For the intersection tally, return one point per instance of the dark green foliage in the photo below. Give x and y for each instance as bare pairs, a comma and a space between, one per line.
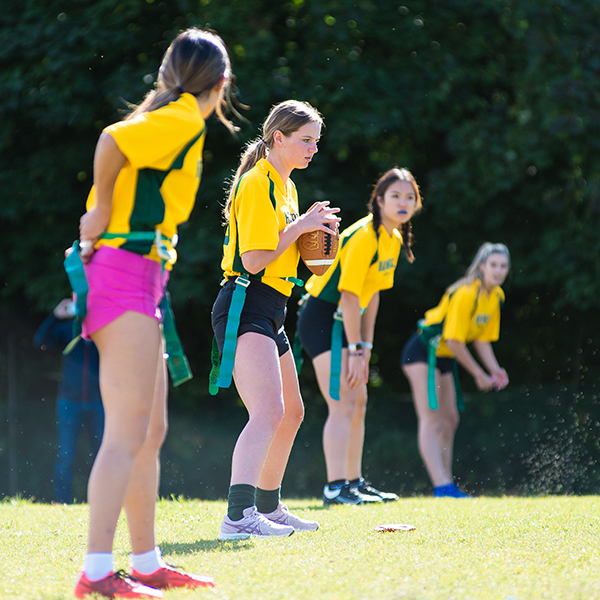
494, 106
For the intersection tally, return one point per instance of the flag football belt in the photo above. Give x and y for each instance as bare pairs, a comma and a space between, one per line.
335, 365
335, 368
221, 371
431, 336
177, 361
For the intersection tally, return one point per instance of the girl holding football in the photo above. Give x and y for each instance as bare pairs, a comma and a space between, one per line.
336, 325
260, 262
146, 175
468, 312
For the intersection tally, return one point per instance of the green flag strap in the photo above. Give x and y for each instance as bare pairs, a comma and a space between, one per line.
177, 361
76, 274
221, 371
145, 236
294, 280
215, 361
238, 299
432, 347
335, 369
460, 400
431, 336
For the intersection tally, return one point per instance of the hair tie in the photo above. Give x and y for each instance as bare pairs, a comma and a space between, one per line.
179, 89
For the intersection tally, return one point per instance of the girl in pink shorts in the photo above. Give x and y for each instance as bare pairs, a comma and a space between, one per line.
121, 281
146, 175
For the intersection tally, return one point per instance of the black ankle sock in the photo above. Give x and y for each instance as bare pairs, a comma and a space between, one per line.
267, 500
337, 483
357, 481
241, 496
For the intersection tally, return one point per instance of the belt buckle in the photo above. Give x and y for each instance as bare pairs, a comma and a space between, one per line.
242, 280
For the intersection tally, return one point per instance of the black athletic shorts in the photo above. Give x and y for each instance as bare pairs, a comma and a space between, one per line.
264, 312
314, 326
415, 351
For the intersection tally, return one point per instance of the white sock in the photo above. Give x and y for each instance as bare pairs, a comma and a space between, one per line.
148, 562
98, 565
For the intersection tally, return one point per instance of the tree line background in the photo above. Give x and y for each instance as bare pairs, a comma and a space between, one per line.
494, 105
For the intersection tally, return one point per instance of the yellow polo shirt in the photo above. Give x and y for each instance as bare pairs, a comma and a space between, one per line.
157, 186
261, 208
364, 265
468, 314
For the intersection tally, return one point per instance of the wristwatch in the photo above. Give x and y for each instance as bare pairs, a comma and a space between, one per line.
356, 347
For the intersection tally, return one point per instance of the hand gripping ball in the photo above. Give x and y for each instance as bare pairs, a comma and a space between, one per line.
318, 250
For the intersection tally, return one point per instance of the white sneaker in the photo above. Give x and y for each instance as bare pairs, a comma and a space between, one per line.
252, 523
284, 517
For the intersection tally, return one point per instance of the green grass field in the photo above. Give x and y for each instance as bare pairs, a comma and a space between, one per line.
492, 549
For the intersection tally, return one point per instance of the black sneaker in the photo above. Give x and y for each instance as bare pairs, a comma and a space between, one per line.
340, 495
363, 488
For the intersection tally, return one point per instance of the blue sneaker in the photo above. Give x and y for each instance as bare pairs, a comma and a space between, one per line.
449, 491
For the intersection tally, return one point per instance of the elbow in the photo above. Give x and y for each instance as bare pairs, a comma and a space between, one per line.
251, 266
454, 345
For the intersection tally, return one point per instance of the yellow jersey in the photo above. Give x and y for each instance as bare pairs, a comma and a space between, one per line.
365, 264
262, 206
468, 314
156, 189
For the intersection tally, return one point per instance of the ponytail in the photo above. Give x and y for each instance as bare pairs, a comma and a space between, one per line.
253, 152
407, 240
195, 63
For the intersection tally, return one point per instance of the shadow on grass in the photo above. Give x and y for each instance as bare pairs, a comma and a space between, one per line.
212, 545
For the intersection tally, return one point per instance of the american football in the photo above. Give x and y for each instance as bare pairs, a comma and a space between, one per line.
318, 250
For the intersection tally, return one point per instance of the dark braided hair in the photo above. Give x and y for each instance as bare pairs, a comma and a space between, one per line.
381, 187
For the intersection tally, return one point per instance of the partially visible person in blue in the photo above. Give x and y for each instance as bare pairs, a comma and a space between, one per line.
78, 401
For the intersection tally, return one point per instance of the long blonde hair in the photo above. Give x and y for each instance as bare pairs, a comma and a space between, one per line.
287, 117
474, 272
195, 62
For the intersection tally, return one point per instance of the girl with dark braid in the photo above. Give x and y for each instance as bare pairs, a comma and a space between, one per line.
336, 325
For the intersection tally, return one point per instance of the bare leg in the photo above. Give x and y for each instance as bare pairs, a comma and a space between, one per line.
128, 348
279, 452
448, 418
140, 501
257, 375
357, 435
429, 423
338, 427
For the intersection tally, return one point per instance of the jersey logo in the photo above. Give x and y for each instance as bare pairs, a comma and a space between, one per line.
289, 216
386, 265
481, 320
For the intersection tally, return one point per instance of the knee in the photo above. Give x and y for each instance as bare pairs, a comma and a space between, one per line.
450, 422
157, 433
344, 408
270, 417
129, 441
430, 424
360, 407
294, 415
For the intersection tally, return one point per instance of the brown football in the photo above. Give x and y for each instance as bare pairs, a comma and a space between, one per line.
318, 250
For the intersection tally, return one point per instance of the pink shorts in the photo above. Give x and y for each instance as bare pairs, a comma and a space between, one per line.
121, 281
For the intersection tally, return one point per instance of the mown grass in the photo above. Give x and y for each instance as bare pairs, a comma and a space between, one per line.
483, 548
